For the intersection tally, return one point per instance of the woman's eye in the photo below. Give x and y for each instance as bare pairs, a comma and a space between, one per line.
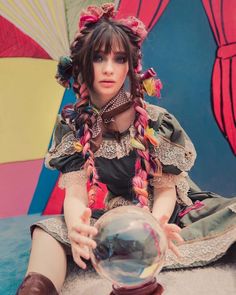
121, 59
98, 58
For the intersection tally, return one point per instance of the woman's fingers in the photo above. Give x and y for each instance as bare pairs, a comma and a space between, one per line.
172, 233
77, 258
176, 237
174, 249
82, 240
172, 227
86, 241
84, 252
86, 229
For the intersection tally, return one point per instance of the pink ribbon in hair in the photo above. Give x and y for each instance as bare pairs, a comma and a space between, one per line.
148, 74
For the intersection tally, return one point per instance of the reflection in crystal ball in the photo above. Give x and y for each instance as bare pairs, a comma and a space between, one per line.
131, 246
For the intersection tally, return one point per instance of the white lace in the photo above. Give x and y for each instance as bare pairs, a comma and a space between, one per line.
64, 148
202, 250
172, 154
111, 149
168, 180
75, 177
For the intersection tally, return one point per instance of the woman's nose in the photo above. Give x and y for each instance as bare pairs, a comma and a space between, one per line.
108, 67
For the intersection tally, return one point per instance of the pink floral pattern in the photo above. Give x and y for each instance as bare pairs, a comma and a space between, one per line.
94, 13
136, 25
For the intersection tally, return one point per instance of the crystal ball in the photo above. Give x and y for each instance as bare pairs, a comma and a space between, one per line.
131, 246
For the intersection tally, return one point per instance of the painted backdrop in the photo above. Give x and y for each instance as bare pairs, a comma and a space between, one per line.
191, 44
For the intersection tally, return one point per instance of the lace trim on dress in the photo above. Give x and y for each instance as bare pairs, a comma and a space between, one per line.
111, 149
75, 177
202, 251
172, 154
64, 148
197, 252
57, 228
167, 180
117, 202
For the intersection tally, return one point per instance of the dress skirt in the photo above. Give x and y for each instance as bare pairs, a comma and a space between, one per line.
209, 230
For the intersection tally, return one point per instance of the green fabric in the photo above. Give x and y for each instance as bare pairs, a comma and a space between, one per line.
175, 151
212, 219
171, 129
208, 231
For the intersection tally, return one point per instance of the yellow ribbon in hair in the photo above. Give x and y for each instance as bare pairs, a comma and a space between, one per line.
149, 86
78, 146
150, 134
137, 144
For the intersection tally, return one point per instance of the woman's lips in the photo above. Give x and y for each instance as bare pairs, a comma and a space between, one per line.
107, 83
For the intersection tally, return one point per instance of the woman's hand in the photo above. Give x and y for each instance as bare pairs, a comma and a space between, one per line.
172, 234
80, 238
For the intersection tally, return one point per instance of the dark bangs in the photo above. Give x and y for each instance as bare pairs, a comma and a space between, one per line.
106, 36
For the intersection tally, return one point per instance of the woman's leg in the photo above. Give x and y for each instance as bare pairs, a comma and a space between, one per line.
47, 258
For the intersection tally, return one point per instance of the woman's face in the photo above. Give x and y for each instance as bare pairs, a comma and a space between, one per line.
110, 71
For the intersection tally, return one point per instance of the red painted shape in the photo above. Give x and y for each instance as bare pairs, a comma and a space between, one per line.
14, 43
221, 15
127, 8
149, 12
55, 202
216, 92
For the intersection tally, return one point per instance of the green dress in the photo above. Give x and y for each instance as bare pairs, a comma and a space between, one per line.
208, 220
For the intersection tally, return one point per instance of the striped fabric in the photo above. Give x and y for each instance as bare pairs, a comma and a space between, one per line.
44, 21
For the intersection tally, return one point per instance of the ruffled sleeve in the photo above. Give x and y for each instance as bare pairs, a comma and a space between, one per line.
63, 156
175, 151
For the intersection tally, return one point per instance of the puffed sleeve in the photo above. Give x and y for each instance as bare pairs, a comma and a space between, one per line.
63, 156
175, 151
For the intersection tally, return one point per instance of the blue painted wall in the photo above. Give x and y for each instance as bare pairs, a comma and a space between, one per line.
181, 48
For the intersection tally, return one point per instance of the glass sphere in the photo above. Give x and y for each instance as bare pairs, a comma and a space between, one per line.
131, 246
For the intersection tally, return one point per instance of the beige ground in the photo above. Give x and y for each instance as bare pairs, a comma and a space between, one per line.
217, 279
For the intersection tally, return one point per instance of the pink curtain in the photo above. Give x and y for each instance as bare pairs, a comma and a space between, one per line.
148, 11
222, 19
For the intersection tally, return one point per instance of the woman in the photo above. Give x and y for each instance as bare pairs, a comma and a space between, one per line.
111, 135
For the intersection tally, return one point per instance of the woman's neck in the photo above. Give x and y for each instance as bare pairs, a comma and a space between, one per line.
99, 101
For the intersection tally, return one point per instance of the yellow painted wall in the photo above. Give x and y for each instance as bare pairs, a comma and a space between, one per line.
29, 102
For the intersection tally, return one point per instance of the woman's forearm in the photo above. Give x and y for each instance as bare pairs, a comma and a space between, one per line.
164, 202
75, 202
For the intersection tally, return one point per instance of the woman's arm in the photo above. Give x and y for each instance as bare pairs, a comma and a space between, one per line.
75, 203
77, 218
163, 207
164, 202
